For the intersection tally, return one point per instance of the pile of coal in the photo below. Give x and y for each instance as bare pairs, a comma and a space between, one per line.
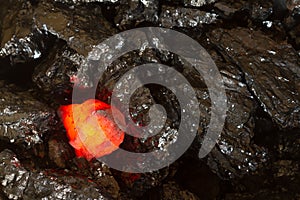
254, 44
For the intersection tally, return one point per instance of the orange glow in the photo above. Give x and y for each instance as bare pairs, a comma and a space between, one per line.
90, 128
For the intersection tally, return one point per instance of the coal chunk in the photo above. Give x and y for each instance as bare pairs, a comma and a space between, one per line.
271, 70
197, 3
19, 183
16, 20
185, 17
60, 153
80, 26
22, 44
278, 181
55, 76
132, 13
99, 173
23, 119
235, 154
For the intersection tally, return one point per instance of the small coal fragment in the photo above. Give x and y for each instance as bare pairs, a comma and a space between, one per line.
59, 150
131, 13
21, 50
292, 22
197, 3
19, 183
243, 12
19, 56
16, 20
271, 70
81, 26
261, 11
119, 67
55, 76
99, 173
13, 176
23, 119
185, 17
295, 10
228, 9
103, 177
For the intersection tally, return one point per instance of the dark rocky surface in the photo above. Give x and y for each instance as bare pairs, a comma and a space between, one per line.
255, 45
132, 13
271, 70
185, 17
17, 182
24, 120
236, 153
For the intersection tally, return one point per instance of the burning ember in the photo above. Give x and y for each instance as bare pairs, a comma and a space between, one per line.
90, 128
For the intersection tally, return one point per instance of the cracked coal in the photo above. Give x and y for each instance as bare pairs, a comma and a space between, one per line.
256, 47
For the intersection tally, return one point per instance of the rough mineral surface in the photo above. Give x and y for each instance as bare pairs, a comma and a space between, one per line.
76, 26
197, 3
271, 71
23, 119
56, 78
131, 12
235, 153
19, 183
185, 17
